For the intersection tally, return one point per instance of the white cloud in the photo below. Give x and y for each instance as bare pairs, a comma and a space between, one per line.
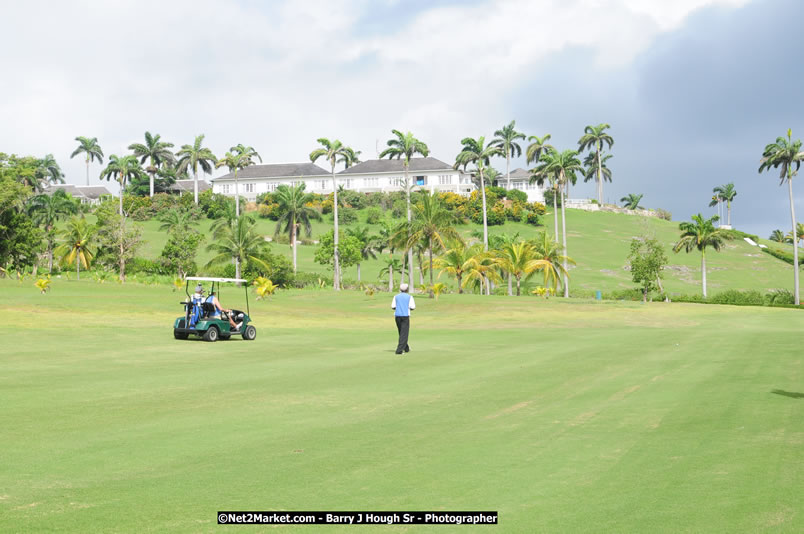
278, 76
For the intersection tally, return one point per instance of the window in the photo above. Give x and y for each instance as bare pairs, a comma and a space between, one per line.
272, 186
371, 182
421, 180
322, 184
248, 188
444, 179
226, 189
348, 184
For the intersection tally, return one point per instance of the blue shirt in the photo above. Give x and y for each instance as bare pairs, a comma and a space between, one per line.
215, 312
402, 304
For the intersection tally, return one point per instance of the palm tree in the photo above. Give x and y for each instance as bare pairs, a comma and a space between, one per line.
368, 244
193, 156
519, 259
90, 147
78, 244
334, 152
294, 212
549, 251
46, 211
238, 157
497, 242
562, 166
49, 170
785, 154
700, 235
482, 270
592, 170
726, 193
716, 201
155, 150
239, 241
799, 235
432, 224
631, 201
505, 139
455, 261
176, 221
537, 146
477, 152
404, 147
595, 137
391, 264
778, 236
122, 169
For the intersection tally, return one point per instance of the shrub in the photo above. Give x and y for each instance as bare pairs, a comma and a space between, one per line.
780, 297
548, 198
499, 192
347, 215
738, 298
625, 294
737, 234
530, 218
146, 266
399, 210
138, 208
538, 208
664, 214
373, 215
327, 205
783, 255
215, 205
303, 279
517, 195
269, 211
353, 199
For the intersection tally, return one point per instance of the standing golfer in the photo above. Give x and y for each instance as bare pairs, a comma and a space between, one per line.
402, 305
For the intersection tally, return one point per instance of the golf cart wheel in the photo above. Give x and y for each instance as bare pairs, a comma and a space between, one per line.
249, 333
180, 335
211, 334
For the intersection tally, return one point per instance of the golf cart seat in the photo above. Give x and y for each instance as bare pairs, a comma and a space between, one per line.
207, 309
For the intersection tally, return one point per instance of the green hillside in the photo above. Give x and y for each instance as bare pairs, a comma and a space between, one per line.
597, 241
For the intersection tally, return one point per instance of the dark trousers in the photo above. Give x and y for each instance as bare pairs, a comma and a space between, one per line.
403, 326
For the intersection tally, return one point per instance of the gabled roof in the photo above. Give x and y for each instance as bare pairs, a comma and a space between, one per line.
275, 170
519, 174
187, 185
374, 166
67, 188
80, 191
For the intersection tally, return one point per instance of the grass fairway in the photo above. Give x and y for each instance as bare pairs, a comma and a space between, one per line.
563, 416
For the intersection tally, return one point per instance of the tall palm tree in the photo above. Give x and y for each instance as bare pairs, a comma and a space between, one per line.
778, 236
505, 139
785, 154
432, 224
537, 145
46, 211
631, 201
726, 193
368, 244
155, 150
520, 259
49, 170
717, 200
476, 151
194, 156
593, 171
334, 152
700, 234
240, 241
549, 251
595, 137
78, 244
562, 166
291, 205
404, 147
238, 157
90, 147
122, 169
455, 261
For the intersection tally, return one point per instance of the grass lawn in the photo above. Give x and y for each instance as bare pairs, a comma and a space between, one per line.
598, 241
564, 416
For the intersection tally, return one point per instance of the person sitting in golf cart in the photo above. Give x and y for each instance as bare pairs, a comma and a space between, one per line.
218, 309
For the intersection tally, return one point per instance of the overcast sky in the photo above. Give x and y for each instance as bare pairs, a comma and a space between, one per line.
693, 89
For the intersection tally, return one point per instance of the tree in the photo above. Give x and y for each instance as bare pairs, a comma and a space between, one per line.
243, 157
778, 236
798, 236
368, 244
595, 137
785, 154
46, 211
158, 152
482, 271
391, 264
49, 171
79, 244
497, 242
700, 234
239, 241
293, 213
631, 201
119, 241
349, 250
537, 145
404, 147
456, 261
121, 169
726, 193
505, 139
334, 152
432, 225
477, 152
647, 260
562, 166
553, 265
193, 156
593, 171
183, 241
520, 259
90, 147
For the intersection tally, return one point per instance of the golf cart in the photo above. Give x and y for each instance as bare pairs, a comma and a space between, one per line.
200, 316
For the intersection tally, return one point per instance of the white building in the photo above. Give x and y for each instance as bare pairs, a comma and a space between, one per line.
520, 179
87, 194
372, 176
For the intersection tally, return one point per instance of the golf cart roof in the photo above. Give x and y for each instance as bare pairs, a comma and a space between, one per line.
207, 279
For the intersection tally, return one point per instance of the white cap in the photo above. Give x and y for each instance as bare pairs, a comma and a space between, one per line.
403, 287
